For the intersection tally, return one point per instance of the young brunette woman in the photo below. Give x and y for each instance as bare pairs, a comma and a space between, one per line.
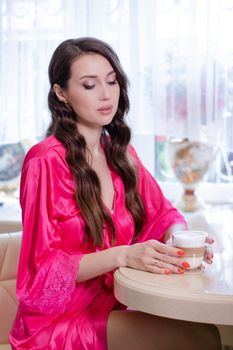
89, 206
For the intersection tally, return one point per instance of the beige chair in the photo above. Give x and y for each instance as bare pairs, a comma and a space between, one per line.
9, 256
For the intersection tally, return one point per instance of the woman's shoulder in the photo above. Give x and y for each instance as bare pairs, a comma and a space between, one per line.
48, 147
133, 156
131, 150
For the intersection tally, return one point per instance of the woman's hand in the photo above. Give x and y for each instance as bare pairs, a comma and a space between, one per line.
208, 251
208, 257
153, 256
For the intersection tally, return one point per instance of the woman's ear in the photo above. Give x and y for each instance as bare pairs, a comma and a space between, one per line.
59, 93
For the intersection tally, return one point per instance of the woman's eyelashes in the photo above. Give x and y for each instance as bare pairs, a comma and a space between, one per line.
112, 82
88, 86
91, 86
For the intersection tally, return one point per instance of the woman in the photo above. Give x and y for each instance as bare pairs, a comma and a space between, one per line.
89, 206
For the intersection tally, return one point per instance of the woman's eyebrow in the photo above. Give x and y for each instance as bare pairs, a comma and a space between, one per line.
88, 76
94, 76
112, 72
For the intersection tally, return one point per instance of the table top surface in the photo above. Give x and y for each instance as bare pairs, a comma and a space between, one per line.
202, 296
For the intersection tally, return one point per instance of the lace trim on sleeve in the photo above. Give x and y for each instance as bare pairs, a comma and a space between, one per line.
53, 284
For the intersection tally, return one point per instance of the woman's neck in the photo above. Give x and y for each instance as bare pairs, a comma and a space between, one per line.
92, 138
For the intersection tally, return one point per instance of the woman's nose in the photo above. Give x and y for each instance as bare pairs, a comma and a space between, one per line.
104, 93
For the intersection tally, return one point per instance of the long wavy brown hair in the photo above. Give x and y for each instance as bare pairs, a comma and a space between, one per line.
115, 139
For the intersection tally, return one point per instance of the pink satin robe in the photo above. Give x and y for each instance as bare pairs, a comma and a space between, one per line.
56, 312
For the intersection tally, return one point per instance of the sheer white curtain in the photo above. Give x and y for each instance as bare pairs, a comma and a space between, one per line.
185, 51
30, 30
177, 54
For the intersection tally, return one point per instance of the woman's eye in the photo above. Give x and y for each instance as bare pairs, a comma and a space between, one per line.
88, 87
113, 82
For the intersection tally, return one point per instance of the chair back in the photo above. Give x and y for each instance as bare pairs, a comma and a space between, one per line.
10, 244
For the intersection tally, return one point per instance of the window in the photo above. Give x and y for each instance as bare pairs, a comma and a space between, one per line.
178, 55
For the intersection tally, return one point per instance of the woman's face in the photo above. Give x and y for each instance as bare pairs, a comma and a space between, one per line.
93, 91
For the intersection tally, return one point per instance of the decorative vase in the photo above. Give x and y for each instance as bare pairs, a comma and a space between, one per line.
190, 161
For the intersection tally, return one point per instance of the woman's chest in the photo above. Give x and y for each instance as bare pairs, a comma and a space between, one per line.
70, 222
72, 228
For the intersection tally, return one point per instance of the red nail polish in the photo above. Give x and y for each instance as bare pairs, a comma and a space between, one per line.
167, 272
181, 253
181, 270
185, 264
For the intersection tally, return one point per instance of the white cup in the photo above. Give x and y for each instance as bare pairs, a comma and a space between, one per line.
193, 244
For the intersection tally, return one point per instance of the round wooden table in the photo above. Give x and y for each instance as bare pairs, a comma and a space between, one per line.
205, 296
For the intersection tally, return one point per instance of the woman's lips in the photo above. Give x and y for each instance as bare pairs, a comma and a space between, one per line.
105, 110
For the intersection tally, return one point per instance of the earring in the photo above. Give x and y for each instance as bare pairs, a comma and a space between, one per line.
65, 102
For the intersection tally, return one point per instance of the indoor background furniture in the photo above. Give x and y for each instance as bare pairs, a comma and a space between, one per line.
10, 215
9, 255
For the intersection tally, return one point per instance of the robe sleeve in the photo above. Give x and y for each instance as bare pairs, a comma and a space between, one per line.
160, 213
46, 273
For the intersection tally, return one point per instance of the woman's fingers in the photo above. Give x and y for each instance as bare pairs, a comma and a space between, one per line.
165, 249
164, 259
156, 257
158, 266
208, 257
209, 240
169, 255
161, 262
176, 262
